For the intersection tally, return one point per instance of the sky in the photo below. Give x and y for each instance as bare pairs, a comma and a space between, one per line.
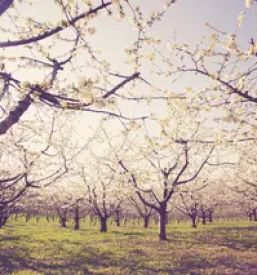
186, 19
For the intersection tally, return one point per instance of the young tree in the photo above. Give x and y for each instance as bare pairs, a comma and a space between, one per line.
189, 206
27, 163
144, 211
246, 173
79, 211
105, 189
168, 161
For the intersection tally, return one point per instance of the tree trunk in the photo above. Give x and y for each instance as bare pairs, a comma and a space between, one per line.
162, 223
1, 222
250, 216
146, 221
76, 226
117, 217
204, 219
5, 219
210, 216
193, 221
104, 224
254, 214
27, 217
63, 221
76, 218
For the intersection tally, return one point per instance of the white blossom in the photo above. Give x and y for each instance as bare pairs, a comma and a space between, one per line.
248, 3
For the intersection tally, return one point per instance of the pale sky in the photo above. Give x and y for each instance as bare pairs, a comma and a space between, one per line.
186, 19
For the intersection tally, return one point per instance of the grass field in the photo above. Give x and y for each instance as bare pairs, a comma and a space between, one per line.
46, 249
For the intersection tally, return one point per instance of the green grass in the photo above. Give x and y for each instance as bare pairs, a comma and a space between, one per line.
46, 249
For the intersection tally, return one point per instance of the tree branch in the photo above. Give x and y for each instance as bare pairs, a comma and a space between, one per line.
47, 34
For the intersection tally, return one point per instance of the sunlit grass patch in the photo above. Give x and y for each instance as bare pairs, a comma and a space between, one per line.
218, 248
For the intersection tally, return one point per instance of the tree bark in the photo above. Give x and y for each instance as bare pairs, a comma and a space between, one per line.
193, 221
210, 216
63, 221
4, 5
103, 224
77, 225
250, 216
146, 221
204, 219
27, 217
3, 220
254, 214
15, 114
117, 218
162, 222
76, 218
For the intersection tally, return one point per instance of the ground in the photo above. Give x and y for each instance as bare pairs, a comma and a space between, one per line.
46, 249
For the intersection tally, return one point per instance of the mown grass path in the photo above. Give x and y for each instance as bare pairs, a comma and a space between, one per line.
46, 249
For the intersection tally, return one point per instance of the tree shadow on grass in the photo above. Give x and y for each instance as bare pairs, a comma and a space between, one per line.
87, 258
8, 239
227, 237
83, 261
131, 233
12, 260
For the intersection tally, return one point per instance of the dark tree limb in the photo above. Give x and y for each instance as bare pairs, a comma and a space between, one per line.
15, 114
49, 33
4, 5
